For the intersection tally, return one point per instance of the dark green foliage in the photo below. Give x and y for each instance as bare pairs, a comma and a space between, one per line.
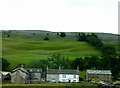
5, 65
78, 62
109, 54
8, 35
46, 38
62, 34
94, 35
94, 41
33, 33
93, 62
57, 33
39, 64
47, 34
108, 50
82, 37
56, 61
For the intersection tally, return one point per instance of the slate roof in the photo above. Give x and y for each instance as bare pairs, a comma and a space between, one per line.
21, 69
4, 73
99, 72
62, 71
34, 70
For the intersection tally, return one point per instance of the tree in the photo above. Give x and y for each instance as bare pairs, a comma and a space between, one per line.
57, 33
55, 60
94, 35
108, 50
46, 38
94, 41
78, 62
109, 55
8, 35
39, 64
47, 34
92, 62
5, 64
82, 37
62, 34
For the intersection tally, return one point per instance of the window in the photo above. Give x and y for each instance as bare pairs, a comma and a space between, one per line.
53, 76
64, 76
74, 76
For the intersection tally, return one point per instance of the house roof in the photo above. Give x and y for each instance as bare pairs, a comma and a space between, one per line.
99, 72
4, 73
34, 70
21, 69
62, 71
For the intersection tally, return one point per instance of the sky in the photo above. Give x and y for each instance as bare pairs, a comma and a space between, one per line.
60, 15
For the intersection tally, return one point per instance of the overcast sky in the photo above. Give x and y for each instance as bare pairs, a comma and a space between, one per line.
60, 15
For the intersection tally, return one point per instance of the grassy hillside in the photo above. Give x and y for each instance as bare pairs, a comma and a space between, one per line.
24, 47
19, 49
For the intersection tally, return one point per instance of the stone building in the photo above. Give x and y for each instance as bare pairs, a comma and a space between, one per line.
34, 75
20, 76
103, 75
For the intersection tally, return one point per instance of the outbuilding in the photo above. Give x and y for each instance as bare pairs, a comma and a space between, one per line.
103, 75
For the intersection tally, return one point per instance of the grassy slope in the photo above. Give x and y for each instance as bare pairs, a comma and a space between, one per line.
22, 50
24, 47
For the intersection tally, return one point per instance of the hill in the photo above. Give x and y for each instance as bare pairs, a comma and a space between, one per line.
26, 46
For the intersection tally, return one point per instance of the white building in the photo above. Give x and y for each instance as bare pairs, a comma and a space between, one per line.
62, 75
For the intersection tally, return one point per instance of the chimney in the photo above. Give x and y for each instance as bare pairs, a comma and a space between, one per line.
22, 65
78, 67
47, 68
59, 67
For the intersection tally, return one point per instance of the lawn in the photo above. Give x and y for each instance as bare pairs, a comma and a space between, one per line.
50, 85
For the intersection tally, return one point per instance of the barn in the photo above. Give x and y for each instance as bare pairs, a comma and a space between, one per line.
102, 75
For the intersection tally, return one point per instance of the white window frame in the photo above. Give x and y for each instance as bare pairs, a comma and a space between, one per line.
63, 76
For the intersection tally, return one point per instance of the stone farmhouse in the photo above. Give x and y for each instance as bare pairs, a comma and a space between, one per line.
22, 75
103, 75
34, 75
28, 75
62, 75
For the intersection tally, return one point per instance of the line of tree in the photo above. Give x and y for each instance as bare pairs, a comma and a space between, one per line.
110, 58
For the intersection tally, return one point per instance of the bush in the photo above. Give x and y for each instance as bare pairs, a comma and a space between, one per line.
46, 38
62, 34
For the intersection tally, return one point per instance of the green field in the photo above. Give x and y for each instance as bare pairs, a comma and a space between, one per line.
22, 47
23, 50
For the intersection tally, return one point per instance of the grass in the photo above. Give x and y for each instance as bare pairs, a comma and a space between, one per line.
22, 47
51, 85
23, 50
83, 74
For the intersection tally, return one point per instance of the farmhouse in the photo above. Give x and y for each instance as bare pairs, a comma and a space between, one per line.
103, 75
34, 75
29, 75
20, 76
62, 75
